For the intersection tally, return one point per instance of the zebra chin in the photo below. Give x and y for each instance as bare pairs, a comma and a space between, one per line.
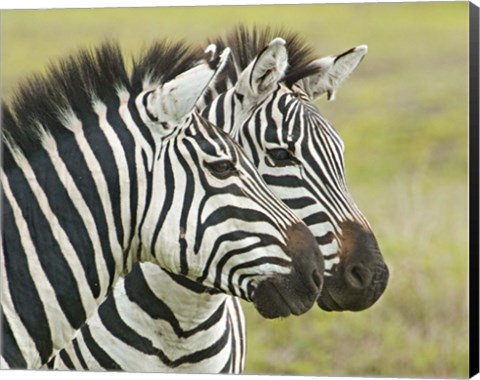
296, 292
280, 297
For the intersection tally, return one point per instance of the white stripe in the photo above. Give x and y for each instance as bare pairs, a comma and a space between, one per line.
141, 146
85, 352
50, 146
122, 165
102, 188
59, 234
60, 328
3, 363
339, 209
27, 346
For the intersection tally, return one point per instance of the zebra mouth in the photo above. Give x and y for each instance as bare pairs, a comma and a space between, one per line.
273, 298
327, 303
295, 292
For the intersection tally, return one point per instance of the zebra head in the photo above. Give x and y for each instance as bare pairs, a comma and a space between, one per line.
210, 217
270, 111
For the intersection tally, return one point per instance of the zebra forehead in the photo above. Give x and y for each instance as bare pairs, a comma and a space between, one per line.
292, 117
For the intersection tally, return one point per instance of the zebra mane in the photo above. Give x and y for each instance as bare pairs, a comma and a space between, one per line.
245, 43
71, 84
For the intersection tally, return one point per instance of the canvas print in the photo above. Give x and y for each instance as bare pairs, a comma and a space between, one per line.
257, 189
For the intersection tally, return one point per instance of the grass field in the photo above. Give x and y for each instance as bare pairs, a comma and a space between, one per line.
403, 118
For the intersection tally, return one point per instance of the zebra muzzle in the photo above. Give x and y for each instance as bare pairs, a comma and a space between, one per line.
362, 275
296, 292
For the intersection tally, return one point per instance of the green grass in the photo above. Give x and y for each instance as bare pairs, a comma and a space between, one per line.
419, 326
403, 118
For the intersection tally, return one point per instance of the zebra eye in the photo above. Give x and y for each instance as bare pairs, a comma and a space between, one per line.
280, 156
221, 169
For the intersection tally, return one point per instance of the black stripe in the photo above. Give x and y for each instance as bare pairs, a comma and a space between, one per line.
224, 213
299, 105
229, 365
148, 199
79, 355
128, 143
22, 289
68, 217
329, 151
9, 346
50, 255
272, 126
232, 116
257, 129
250, 78
241, 335
145, 104
318, 217
212, 320
249, 142
103, 359
169, 182
114, 323
250, 264
239, 97
207, 96
232, 237
189, 284
227, 368
76, 165
325, 239
321, 182
103, 152
141, 127
328, 198
66, 359
299, 203
139, 292
206, 353
188, 195
156, 310
219, 269
290, 181
219, 111
221, 139
51, 363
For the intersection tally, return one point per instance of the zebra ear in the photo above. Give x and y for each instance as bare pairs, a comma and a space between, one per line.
330, 72
171, 102
262, 74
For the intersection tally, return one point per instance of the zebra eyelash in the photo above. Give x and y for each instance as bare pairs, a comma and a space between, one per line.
279, 157
221, 169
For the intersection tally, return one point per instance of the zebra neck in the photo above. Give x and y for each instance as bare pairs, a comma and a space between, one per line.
175, 313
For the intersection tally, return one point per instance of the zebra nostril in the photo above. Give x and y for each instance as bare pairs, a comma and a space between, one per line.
358, 276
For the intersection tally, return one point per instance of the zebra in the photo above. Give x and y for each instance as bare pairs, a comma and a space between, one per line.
299, 153
102, 171
357, 276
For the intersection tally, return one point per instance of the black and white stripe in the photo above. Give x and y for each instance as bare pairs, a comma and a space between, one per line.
95, 180
300, 156
299, 153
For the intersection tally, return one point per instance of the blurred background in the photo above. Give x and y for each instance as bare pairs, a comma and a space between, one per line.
403, 118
